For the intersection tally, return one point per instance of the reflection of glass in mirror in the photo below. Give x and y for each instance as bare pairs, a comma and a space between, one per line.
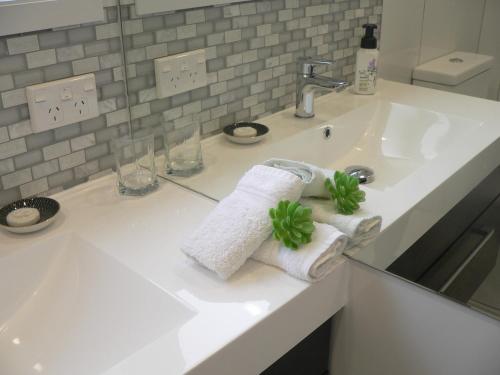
183, 155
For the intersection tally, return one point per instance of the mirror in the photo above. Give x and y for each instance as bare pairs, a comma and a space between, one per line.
251, 49
20, 16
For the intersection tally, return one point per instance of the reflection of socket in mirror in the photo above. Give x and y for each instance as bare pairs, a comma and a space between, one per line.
180, 73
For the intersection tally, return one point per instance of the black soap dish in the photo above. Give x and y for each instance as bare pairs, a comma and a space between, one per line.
259, 134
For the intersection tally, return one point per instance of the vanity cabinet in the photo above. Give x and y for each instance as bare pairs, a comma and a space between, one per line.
456, 255
309, 357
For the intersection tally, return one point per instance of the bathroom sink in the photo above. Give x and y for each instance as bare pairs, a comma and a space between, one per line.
391, 138
69, 308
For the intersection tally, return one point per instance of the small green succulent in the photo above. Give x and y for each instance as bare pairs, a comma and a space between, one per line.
292, 224
345, 192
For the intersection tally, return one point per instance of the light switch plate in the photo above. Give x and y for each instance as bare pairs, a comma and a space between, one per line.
63, 102
180, 73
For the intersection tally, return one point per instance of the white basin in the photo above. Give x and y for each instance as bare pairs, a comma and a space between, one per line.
393, 139
69, 308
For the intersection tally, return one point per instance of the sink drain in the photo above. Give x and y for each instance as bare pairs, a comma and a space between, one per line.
364, 174
327, 131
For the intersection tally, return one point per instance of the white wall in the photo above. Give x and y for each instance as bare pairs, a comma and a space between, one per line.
400, 39
450, 25
392, 327
416, 31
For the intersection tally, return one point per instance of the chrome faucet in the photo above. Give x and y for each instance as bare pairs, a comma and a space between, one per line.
308, 82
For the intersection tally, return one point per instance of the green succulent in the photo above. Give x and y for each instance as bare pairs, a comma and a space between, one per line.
345, 192
292, 224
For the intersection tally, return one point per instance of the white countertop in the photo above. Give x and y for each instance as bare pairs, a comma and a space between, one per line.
238, 326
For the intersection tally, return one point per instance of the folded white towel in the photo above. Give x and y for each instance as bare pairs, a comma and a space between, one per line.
314, 177
240, 223
312, 261
361, 227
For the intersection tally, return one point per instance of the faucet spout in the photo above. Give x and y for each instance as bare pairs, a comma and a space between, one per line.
308, 82
327, 83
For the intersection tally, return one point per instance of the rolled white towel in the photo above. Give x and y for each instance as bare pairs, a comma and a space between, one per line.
313, 176
312, 261
240, 223
361, 227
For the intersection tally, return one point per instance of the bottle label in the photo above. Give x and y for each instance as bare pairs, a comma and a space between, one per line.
368, 76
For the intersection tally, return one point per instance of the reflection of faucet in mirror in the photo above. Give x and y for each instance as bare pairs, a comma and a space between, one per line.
308, 81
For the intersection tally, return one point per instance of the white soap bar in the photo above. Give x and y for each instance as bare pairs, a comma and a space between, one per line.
23, 217
245, 131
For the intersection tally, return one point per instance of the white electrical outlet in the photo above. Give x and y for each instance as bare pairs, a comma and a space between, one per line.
63, 102
180, 73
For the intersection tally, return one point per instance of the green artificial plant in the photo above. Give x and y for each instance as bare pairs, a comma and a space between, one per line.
345, 192
292, 224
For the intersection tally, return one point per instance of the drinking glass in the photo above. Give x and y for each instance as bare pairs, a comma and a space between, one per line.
183, 150
135, 164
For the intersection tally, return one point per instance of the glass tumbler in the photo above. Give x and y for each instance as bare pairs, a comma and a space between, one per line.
183, 150
135, 164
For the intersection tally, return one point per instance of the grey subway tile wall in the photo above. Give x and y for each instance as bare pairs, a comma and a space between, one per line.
251, 50
39, 164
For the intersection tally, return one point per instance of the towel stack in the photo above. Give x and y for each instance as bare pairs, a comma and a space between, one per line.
312, 261
313, 177
240, 223
240, 226
362, 227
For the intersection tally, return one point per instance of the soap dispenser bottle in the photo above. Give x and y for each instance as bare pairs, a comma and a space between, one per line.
366, 62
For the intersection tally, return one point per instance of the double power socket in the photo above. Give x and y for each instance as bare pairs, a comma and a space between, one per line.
180, 73
63, 102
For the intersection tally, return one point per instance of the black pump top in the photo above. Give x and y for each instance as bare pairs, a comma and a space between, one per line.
369, 41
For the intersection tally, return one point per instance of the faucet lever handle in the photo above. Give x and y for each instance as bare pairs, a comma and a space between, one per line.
307, 64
